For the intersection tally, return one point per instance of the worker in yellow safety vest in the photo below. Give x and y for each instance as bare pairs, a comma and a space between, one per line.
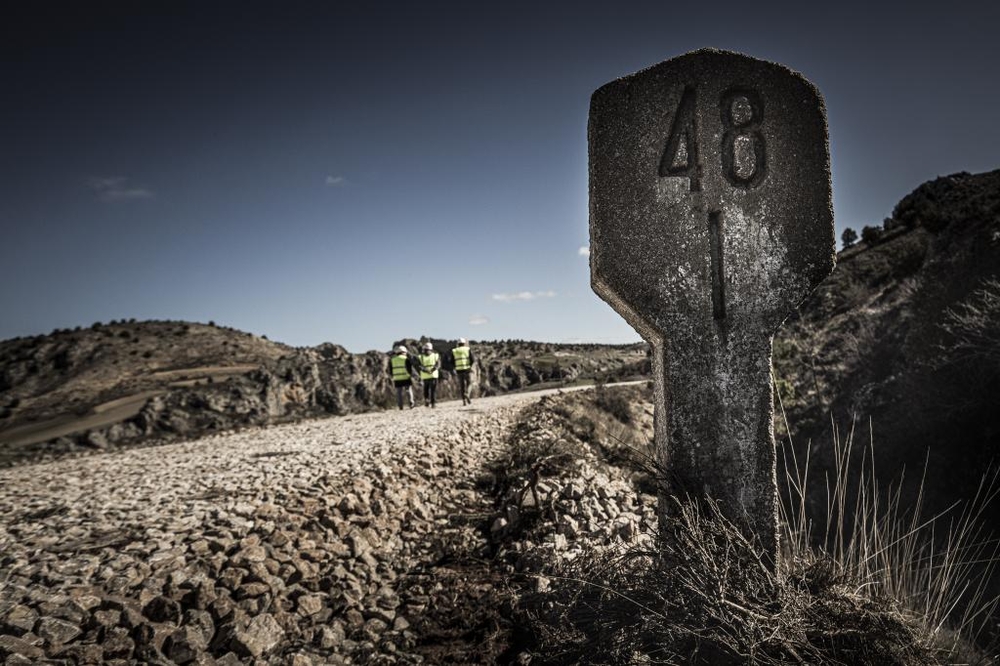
430, 364
401, 370
463, 368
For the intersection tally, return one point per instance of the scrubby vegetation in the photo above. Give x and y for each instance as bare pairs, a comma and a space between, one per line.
958, 199
974, 327
863, 580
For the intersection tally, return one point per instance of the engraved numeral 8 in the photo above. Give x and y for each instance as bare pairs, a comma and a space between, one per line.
744, 153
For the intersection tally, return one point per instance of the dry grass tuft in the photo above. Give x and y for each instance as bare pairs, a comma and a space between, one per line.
707, 598
868, 581
936, 570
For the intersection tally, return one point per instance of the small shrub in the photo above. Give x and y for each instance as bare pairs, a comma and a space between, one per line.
614, 403
854, 294
871, 235
849, 237
974, 326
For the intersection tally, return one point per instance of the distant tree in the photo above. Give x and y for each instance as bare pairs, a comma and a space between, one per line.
849, 237
871, 235
888, 224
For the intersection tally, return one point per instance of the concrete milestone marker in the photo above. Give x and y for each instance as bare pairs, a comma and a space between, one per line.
710, 221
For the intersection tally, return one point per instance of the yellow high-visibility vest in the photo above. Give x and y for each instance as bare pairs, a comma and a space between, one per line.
461, 355
399, 373
428, 361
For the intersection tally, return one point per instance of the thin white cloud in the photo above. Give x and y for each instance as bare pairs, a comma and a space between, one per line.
584, 251
117, 188
478, 320
523, 296
335, 181
107, 182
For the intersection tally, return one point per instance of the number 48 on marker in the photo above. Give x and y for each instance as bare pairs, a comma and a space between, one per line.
743, 152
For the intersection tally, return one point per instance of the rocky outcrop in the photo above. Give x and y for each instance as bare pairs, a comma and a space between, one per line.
216, 380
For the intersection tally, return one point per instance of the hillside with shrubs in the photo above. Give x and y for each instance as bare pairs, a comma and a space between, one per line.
902, 343
123, 383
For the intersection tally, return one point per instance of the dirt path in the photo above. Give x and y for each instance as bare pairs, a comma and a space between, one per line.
115, 411
108, 413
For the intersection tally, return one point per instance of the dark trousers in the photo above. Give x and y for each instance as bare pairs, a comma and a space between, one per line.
463, 385
402, 386
430, 391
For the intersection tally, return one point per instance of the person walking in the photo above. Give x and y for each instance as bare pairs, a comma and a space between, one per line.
401, 370
463, 368
430, 364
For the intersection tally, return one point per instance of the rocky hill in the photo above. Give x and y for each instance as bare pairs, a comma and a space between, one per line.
124, 383
902, 342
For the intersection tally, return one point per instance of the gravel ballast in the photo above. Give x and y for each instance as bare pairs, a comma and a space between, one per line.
282, 544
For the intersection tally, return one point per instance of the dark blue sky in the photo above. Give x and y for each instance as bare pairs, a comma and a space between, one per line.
358, 174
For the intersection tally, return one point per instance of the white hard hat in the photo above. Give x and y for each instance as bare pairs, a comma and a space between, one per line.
400, 349
428, 346
463, 341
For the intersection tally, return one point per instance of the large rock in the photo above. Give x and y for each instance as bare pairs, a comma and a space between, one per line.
56, 631
261, 635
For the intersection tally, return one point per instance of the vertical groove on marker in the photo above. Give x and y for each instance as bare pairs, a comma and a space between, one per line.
718, 274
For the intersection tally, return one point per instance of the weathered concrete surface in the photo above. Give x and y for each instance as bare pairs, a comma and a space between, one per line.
710, 220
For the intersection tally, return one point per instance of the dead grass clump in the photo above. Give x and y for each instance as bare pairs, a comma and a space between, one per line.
706, 598
937, 570
865, 580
